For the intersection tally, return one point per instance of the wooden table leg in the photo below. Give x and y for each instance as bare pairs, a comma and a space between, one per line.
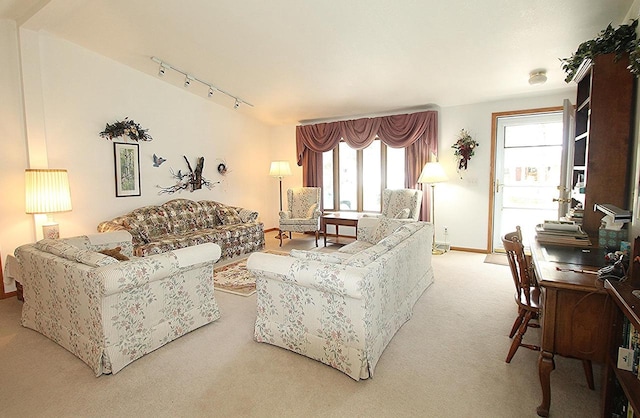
546, 365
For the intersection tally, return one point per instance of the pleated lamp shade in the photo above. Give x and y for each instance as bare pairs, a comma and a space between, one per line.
280, 169
47, 191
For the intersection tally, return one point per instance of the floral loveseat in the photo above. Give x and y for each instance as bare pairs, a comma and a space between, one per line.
182, 223
343, 308
107, 312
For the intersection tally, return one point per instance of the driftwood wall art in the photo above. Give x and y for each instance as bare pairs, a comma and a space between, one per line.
193, 180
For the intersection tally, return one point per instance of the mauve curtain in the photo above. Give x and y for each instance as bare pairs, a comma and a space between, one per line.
417, 132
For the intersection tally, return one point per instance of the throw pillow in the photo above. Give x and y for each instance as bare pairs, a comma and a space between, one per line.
115, 253
228, 215
312, 210
402, 214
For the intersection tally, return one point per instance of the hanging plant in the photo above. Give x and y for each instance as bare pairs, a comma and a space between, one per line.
126, 127
619, 40
464, 149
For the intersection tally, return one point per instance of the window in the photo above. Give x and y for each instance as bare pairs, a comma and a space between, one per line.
354, 179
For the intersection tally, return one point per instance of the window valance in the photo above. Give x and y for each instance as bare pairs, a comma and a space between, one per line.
396, 131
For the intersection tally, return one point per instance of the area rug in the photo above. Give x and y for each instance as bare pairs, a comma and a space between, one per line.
235, 278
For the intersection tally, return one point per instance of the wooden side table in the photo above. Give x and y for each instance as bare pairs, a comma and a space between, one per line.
339, 219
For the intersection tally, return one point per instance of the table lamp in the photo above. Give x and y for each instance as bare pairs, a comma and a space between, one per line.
47, 192
433, 173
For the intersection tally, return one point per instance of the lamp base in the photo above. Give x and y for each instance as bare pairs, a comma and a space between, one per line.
50, 231
437, 249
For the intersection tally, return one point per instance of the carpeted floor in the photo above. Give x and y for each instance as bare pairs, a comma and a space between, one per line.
446, 361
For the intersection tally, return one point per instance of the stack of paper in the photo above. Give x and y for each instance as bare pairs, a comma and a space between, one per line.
562, 233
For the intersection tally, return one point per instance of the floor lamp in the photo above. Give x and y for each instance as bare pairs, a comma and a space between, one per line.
433, 173
280, 169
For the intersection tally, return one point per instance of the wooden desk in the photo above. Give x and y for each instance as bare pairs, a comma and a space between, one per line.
339, 219
576, 312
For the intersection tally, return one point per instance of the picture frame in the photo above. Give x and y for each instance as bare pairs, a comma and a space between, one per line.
127, 169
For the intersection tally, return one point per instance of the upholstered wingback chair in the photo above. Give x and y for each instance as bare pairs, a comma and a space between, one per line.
303, 211
401, 203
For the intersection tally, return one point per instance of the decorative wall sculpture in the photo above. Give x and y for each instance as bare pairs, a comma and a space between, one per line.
193, 180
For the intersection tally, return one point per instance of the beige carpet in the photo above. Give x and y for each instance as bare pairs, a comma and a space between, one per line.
446, 361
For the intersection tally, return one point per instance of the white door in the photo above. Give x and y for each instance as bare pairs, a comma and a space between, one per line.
528, 172
568, 147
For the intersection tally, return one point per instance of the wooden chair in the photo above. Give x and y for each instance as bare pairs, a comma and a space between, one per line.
527, 294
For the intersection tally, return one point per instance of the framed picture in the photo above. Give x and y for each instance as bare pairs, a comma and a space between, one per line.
127, 167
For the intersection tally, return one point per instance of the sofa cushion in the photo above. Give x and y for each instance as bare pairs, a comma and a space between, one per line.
355, 247
68, 251
228, 215
335, 258
185, 215
209, 215
138, 233
248, 215
153, 221
366, 257
369, 255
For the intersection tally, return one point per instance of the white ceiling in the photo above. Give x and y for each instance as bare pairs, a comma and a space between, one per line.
308, 60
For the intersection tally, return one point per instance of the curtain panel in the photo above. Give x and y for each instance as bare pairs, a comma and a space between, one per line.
417, 132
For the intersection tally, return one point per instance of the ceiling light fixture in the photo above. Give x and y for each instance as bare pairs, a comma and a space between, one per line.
187, 80
190, 78
537, 77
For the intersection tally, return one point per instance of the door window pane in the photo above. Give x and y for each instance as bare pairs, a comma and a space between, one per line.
395, 168
371, 178
348, 177
327, 180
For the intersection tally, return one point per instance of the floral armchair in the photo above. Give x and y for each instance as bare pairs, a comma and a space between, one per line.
401, 203
303, 211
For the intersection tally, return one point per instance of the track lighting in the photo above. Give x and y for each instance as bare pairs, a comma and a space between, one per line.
188, 78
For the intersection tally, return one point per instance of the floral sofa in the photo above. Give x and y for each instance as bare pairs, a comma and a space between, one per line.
107, 312
182, 223
343, 308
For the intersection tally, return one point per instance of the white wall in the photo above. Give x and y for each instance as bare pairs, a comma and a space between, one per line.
462, 205
80, 92
15, 226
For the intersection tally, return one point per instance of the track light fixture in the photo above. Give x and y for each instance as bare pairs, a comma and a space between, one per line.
188, 78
